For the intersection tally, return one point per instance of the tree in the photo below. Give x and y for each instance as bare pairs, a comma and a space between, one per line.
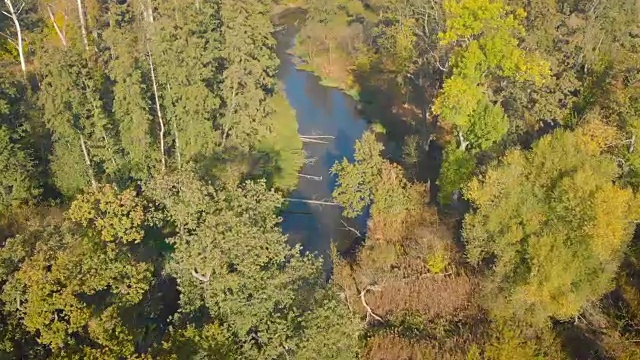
553, 221
131, 109
84, 146
183, 40
70, 283
249, 68
373, 180
18, 43
457, 169
485, 34
232, 259
18, 183
356, 181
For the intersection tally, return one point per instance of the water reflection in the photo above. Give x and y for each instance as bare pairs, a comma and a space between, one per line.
320, 111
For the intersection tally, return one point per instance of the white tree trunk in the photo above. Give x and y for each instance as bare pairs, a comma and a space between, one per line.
158, 110
177, 136
62, 36
13, 14
463, 142
148, 15
87, 161
83, 26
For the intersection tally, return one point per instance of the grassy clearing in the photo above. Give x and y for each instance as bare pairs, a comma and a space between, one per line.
281, 149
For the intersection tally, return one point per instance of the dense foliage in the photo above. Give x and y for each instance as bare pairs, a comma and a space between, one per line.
146, 149
521, 116
130, 224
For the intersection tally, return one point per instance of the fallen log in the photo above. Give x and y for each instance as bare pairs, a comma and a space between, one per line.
316, 178
312, 202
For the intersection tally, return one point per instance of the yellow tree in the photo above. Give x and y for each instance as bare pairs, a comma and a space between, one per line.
554, 223
71, 283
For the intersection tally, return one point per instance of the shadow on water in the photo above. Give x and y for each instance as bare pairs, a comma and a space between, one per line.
325, 111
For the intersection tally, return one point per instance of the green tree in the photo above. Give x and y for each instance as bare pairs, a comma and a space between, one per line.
84, 149
127, 67
18, 183
555, 223
457, 169
373, 180
485, 34
357, 181
184, 46
70, 284
248, 55
232, 259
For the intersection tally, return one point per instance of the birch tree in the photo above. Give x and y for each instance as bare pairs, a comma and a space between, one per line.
83, 26
13, 12
183, 45
129, 65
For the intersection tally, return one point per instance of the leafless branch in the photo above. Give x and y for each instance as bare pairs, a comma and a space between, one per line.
370, 313
202, 278
317, 136
346, 299
9, 39
304, 139
347, 227
61, 35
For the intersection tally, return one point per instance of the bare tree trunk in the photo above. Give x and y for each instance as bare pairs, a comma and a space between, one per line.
632, 146
63, 38
87, 161
158, 110
83, 26
149, 12
177, 135
370, 313
311, 177
232, 108
106, 144
316, 202
13, 14
175, 131
463, 142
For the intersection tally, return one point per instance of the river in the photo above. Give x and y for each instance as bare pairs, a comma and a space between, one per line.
325, 111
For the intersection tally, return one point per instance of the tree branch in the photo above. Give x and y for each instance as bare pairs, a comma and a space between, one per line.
370, 312
9, 39
347, 227
61, 35
304, 139
201, 277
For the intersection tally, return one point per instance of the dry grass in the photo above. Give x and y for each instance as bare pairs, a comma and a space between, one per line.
431, 297
404, 279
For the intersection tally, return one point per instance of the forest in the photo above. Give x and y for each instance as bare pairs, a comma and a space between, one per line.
148, 153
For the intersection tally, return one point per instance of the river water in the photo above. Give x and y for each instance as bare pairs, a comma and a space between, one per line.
325, 111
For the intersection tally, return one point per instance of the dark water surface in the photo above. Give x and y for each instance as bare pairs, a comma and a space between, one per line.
320, 110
